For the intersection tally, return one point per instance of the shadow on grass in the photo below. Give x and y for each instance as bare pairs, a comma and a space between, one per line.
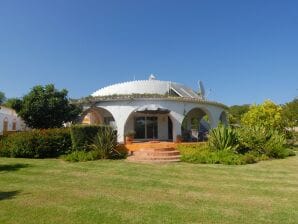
5, 195
13, 167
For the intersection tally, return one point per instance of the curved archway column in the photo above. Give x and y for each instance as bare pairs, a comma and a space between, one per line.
223, 118
177, 120
120, 114
120, 123
120, 129
215, 118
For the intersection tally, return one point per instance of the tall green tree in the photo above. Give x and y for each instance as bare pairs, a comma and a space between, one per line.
236, 112
14, 103
2, 97
268, 114
46, 107
290, 113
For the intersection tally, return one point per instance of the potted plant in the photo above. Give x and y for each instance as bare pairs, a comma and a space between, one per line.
129, 137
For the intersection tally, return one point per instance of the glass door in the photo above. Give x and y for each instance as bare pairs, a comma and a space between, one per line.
140, 124
146, 127
151, 127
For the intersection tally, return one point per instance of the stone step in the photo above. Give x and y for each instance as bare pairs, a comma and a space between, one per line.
154, 157
157, 153
153, 161
157, 149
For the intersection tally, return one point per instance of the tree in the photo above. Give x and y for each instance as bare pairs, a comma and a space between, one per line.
236, 112
2, 97
290, 113
46, 107
14, 103
267, 114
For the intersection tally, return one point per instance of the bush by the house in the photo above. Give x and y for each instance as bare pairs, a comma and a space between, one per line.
223, 138
268, 115
81, 143
82, 136
240, 146
105, 143
201, 153
263, 141
36, 144
92, 143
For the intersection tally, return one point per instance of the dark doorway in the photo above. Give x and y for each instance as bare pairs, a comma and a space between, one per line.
170, 129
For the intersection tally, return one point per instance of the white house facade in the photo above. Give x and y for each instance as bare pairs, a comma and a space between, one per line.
9, 121
154, 110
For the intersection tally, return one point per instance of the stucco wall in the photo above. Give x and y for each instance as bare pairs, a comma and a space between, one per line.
122, 109
163, 127
11, 116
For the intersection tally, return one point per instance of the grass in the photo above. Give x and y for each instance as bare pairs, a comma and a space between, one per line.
54, 191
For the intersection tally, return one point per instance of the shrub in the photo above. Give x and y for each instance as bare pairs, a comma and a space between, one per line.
263, 142
223, 138
189, 153
226, 157
36, 144
290, 152
105, 143
253, 138
82, 136
240, 146
267, 114
275, 146
201, 153
103, 147
94, 142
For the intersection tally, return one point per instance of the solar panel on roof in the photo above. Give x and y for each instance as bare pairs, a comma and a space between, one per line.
183, 91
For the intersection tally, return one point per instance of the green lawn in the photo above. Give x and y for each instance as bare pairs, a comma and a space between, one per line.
54, 191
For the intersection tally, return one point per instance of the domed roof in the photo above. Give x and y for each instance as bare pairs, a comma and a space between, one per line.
151, 86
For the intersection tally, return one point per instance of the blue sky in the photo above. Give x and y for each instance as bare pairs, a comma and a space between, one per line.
244, 51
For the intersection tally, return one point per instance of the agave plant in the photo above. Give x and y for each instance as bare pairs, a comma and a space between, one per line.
105, 143
223, 138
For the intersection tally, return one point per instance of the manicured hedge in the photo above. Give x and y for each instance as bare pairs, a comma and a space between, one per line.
82, 136
36, 143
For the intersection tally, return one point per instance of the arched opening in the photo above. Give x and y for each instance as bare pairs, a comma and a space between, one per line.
196, 125
150, 125
14, 125
96, 116
223, 118
5, 124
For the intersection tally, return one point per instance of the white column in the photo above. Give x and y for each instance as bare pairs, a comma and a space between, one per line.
120, 130
215, 118
177, 120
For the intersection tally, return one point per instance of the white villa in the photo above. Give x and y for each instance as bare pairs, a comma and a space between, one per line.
9, 121
154, 110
